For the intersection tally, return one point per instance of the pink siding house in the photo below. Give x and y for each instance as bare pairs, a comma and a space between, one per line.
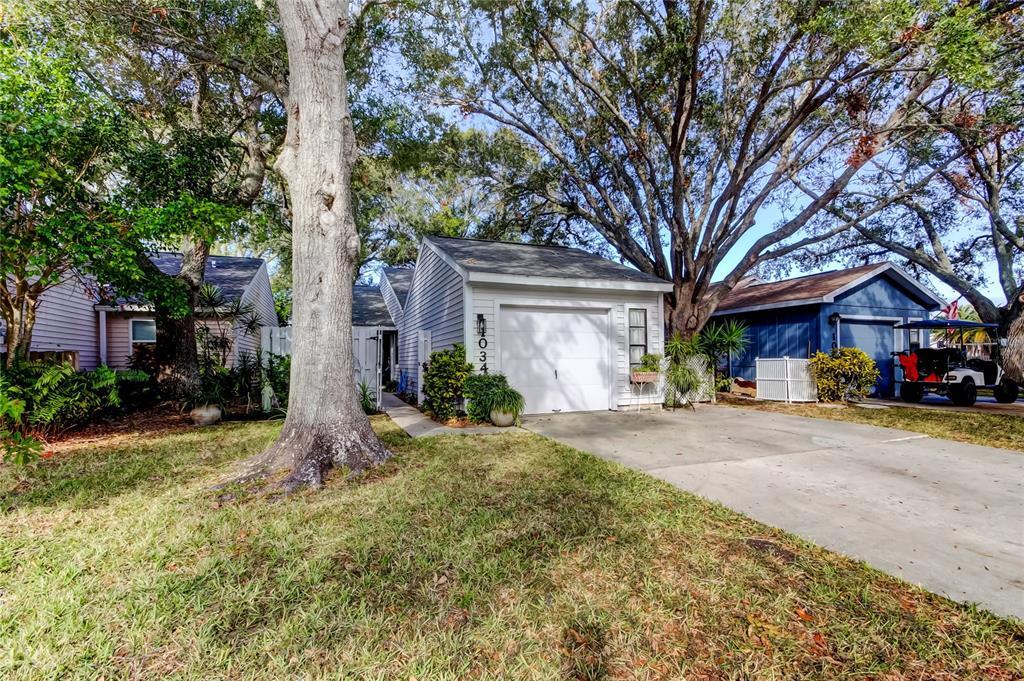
74, 322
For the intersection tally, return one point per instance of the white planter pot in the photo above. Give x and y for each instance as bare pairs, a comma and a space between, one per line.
502, 419
206, 415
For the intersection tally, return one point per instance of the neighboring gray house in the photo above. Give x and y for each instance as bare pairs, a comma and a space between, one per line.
565, 326
73, 323
374, 336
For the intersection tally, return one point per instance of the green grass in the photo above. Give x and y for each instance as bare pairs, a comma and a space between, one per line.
464, 557
1005, 431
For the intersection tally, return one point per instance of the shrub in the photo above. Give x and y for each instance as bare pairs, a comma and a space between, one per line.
650, 362
443, 382
57, 397
16, 444
367, 400
277, 371
477, 391
844, 374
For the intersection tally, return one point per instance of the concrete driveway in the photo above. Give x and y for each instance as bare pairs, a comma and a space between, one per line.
945, 515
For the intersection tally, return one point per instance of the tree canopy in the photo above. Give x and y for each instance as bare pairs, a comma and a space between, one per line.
699, 138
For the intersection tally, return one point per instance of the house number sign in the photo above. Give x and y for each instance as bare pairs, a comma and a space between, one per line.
481, 342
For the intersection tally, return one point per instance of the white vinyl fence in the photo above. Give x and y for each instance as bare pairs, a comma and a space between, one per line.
276, 340
785, 380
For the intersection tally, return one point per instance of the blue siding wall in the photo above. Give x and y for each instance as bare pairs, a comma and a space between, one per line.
802, 331
785, 332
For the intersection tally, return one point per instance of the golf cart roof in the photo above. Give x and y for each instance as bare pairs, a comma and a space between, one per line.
945, 324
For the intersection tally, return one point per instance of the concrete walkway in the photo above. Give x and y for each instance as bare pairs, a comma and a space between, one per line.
417, 424
946, 515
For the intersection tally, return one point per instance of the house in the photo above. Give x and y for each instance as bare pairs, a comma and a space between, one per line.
857, 307
565, 326
76, 323
374, 336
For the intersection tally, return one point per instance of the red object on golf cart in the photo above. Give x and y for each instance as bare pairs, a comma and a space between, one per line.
949, 371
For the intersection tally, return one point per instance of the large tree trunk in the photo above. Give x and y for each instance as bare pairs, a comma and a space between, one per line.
175, 349
688, 309
325, 426
1011, 327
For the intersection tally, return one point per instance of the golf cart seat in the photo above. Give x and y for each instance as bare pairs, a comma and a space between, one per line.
987, 367
937, 361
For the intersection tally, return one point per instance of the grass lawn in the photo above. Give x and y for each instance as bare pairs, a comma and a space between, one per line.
503, 556
993, 430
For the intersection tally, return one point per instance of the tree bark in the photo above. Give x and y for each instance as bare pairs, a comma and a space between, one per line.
19, 305
325, 426
1011, 327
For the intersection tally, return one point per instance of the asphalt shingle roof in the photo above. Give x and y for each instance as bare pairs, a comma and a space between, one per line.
528, 260
752, 292
230, 274
400, 279
368, 308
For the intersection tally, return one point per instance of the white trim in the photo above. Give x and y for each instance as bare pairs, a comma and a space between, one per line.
555, 282
436, 248
131, 330
103, 337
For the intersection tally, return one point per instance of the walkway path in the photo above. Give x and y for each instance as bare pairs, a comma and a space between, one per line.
417, 424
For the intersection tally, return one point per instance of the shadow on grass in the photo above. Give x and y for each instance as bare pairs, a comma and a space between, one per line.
459, 533
90, 477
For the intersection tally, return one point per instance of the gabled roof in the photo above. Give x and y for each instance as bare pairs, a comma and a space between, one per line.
400, 279
493, 260
754, 294
232, 275
368, 308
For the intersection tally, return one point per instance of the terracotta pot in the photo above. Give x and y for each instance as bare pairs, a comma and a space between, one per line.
207, 415
502, 419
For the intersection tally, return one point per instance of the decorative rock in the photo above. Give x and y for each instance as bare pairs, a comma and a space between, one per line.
206, 415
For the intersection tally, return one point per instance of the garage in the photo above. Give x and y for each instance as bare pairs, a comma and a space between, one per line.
877, 340
559, 359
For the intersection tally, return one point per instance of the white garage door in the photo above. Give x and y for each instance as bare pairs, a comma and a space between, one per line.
558, 359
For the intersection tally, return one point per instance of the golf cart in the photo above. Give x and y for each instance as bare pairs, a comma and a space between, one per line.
948, 370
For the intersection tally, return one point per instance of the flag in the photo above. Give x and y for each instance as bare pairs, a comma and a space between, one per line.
952, 311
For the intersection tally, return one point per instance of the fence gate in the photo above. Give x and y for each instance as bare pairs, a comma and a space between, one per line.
784, 379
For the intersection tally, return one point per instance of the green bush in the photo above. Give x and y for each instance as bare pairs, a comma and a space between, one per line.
57, 397
844, 374
477, 391
16, 444
443, 382
367, 400
650, 362
277, 371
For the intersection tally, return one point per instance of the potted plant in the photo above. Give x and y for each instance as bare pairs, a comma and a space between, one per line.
207, 403
648, 371
506, 405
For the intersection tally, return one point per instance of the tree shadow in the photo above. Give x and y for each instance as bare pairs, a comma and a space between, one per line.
88, 477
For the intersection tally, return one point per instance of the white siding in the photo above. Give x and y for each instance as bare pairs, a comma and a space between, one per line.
487, 299
261, 296
391, 300
434, 304
67, 322
119, 347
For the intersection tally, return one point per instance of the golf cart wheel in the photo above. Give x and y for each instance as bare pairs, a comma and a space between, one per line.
1006, 392
911, 393
965, 394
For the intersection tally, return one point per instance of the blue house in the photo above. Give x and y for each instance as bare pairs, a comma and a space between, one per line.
857, 307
